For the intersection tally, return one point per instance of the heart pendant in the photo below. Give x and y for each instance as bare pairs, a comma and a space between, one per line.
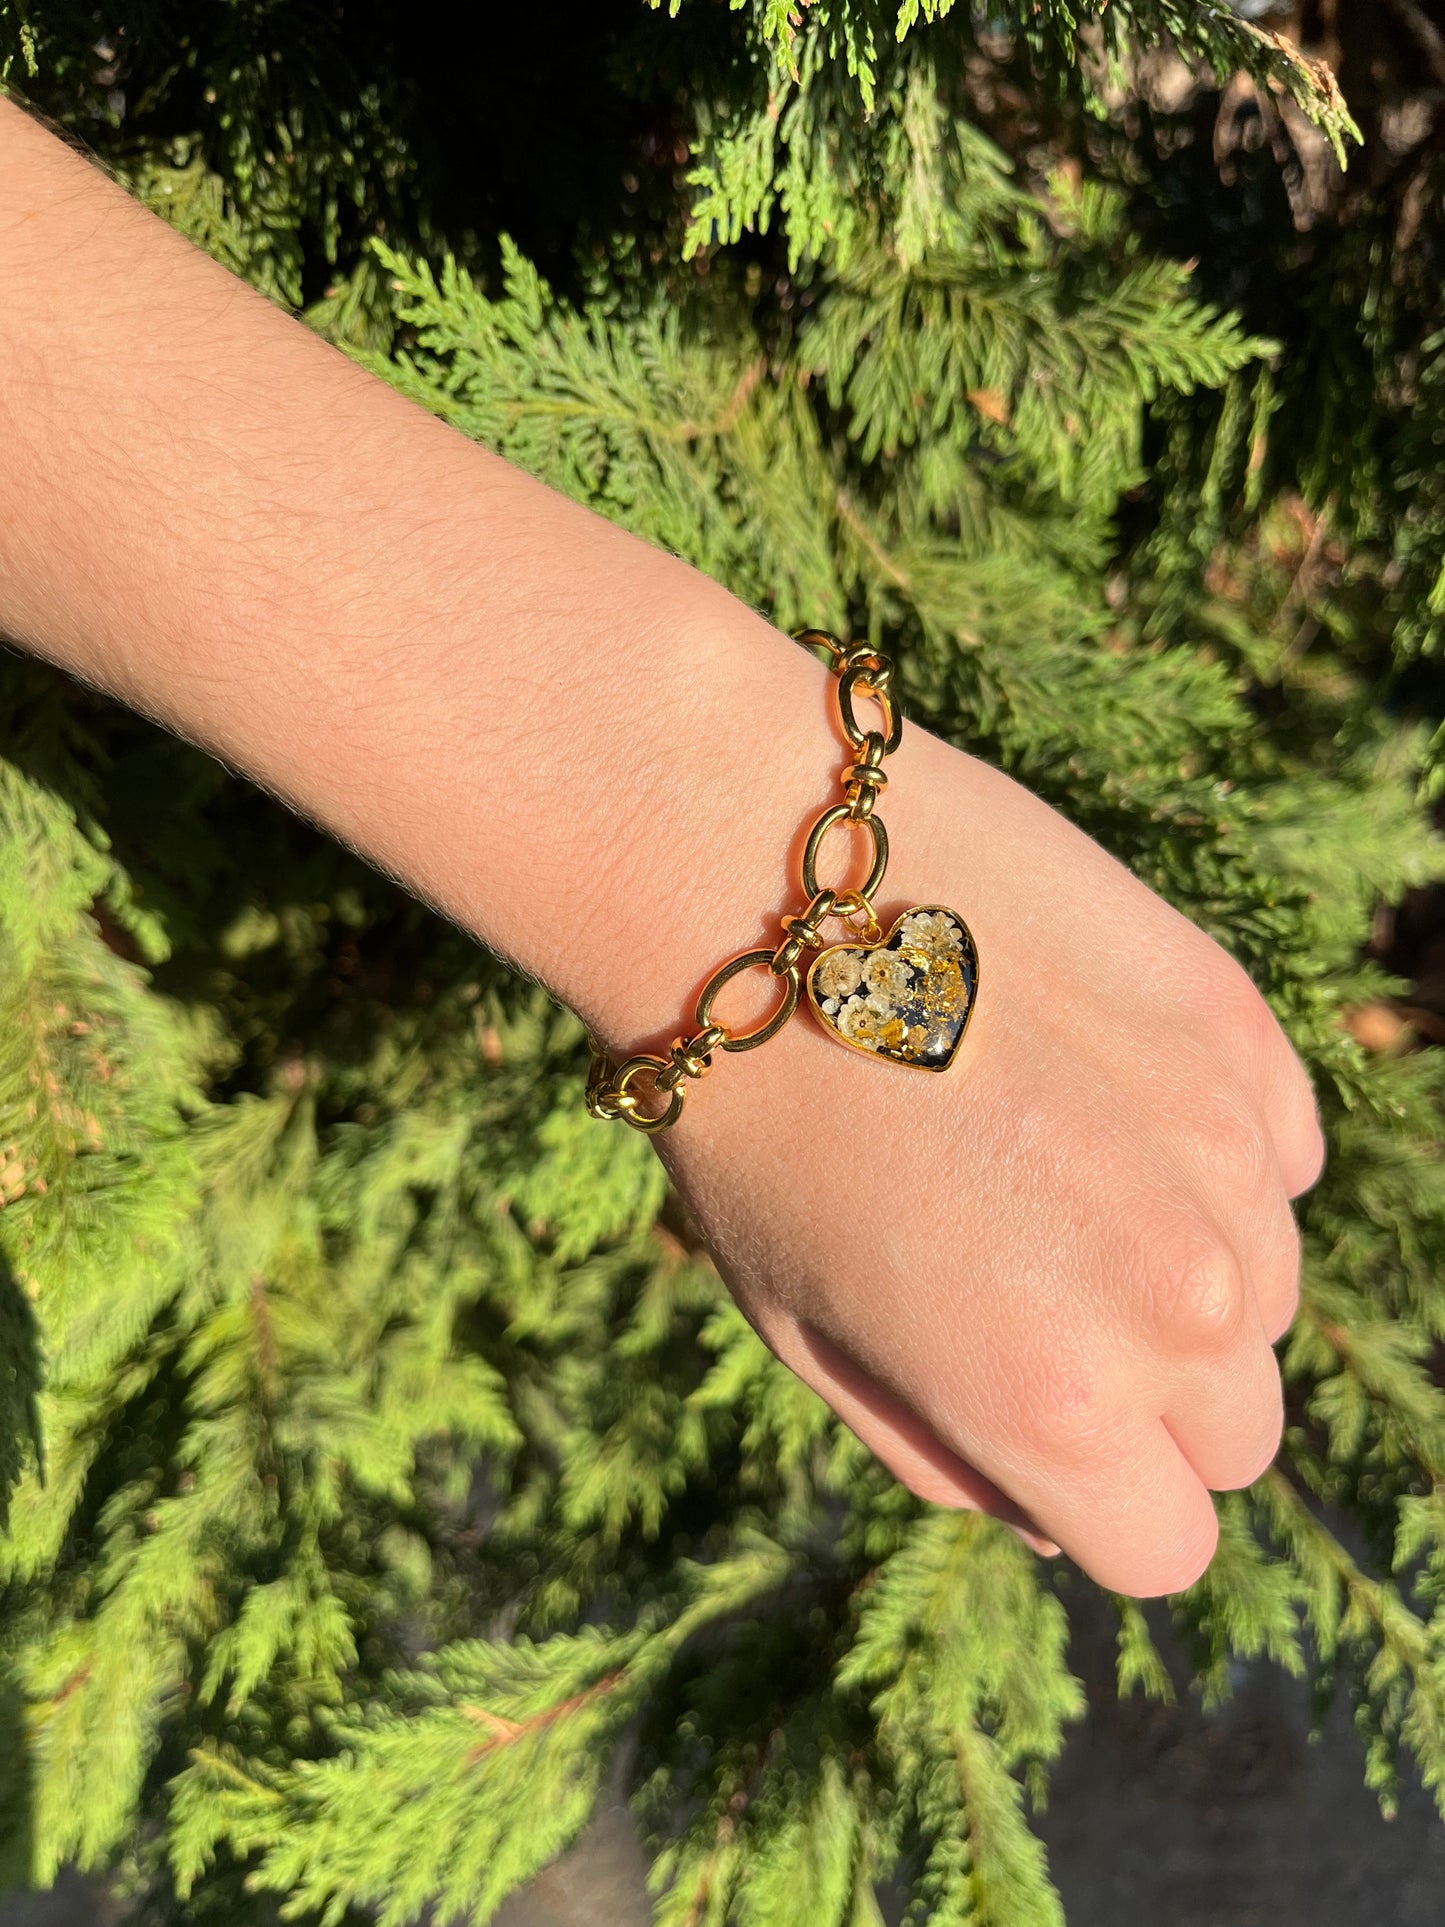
908, 998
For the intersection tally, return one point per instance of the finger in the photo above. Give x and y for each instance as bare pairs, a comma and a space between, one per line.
1229, 1214
1272, 1069
1110, 1487
1132, 1512
1270, 1238
1204, 1329
915, 1456
1226, 1413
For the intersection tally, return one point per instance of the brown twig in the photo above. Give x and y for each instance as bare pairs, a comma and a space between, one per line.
507, 1732
853, 522
689, 431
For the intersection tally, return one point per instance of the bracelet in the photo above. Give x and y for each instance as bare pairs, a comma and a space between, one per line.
905, 998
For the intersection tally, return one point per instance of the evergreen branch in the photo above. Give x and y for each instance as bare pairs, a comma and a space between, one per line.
1403, 1696
1411, 1406
208, 1760
340, 1363
886, 565
507, 1732
727, 416
1406, 1637
1006, 1874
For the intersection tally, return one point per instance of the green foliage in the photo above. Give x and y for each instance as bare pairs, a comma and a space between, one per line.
469, 1777
379, 1445
782, 151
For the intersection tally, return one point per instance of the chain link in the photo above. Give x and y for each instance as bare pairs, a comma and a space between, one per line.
648, 1091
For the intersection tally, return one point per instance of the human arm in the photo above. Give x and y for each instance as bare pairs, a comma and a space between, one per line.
1061, 1262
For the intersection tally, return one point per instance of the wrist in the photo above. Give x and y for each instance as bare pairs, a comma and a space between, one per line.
787, 825
715, 753
578, 747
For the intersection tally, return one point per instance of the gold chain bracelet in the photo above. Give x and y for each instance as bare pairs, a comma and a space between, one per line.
906, 998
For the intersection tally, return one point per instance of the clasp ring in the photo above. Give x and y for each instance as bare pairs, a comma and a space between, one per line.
626, 1101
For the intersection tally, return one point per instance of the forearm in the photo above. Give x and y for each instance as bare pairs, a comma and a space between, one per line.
488, 690
1052, 1274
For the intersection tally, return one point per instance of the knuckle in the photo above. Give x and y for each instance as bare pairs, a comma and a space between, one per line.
1283, 1309
1260, 1042
1236, 1008
1230, 1149
1251, 1019
1197, 1287
1306, 1149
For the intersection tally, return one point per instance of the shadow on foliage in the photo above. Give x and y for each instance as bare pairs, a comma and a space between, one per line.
16, 1829
20, 1380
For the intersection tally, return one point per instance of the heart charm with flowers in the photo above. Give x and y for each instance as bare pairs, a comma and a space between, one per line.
908, 998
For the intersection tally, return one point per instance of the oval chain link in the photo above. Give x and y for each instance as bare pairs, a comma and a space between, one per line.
735, 966
878, 684
624, 1091
841, 813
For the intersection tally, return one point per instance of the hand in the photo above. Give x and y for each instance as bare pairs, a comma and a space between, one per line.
1048, 1278
1047, 1281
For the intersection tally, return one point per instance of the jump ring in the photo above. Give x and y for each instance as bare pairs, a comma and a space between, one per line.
876, 667
858, 906
806, 927
636, 1067
788, 952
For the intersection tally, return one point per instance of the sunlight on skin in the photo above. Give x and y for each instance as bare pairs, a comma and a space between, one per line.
1045, 1282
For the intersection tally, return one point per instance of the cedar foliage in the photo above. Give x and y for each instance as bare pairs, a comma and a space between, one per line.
379, 1448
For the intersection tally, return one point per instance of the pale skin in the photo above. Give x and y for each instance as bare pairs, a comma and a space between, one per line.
1045, 1283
